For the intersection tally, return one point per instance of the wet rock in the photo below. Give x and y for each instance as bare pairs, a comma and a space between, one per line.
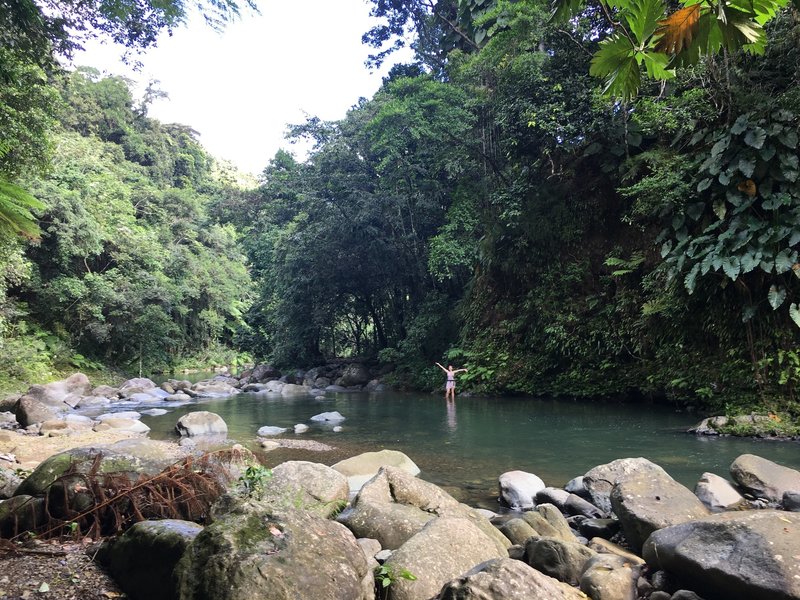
604, 528
334, 416
575, 505
518, 531
268, 430
554, 496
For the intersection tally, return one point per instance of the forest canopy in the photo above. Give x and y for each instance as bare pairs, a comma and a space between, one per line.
501, 203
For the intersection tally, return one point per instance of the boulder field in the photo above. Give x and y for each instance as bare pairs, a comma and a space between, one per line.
624, 531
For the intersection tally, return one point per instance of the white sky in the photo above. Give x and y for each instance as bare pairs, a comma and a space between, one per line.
241, 87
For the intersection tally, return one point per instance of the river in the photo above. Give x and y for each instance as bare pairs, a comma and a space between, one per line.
465, 445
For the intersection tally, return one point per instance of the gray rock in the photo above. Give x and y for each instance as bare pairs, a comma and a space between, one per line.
600, 480
764, 478
709, 426
603, 546
142, 560
354, 374
575, 505
21, 513
131, 425
791, 501
213, 389
94, 400
652, 500
293, 389
53, 394
144, 397
30, 411
394, 506
604, 528
334, 416
309, 486
179, 397
744, 555
685, 595
269, 445
716, 493
361, 468
9, 481
554, 496
557, 558
264, 372
556, 520
576, 486
506, 579
105, 391
8, 420
255, 553
154, 412
609, 577
135, 385
126, 414
518, 489
446, 548
267, 430
300, 428
201, 422
518, 531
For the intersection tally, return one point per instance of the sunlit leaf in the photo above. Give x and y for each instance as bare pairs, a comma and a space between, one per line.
677, 30
643, 18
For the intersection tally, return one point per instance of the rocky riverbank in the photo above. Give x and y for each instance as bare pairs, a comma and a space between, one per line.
178, 523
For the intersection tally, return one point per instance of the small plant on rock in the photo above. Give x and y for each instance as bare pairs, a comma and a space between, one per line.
255, 479
386, 575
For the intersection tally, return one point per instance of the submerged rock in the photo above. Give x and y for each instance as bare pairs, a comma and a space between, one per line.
201, 422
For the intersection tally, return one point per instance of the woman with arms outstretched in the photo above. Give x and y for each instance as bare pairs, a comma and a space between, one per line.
450, 387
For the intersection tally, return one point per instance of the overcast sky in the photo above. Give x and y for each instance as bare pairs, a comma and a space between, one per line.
240, 88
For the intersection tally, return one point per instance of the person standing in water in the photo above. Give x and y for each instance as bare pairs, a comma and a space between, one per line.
450, 388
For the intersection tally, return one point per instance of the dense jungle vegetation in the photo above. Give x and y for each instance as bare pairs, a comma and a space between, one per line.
490, 206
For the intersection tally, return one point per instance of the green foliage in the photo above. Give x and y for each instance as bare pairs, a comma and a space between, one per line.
255, 480
386, 575
642, 36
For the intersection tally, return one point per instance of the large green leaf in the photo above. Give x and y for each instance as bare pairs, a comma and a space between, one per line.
794, 313
776, 296
616, 63
642, 17
656, 65
755, 137
16, 211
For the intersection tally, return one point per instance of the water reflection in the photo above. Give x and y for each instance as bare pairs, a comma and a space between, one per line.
469, 446
451, 414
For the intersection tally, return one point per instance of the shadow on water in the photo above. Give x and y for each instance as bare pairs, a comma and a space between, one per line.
464, 445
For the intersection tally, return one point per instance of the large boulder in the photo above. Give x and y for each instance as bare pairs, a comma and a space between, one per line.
201, 422
263, 372
30, 411
446, 548
652, 500
363, 467
135, 386
764, 478
259, 553
307, 485
741, 555
518, 489
717, 493
213, 389
143, 559
507, 579
599, 481
394, 505
354, 374
54, 394
293, 389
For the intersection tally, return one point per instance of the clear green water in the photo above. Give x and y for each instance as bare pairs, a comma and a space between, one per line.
464, 446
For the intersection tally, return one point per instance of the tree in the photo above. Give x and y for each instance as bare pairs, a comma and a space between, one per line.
647, 33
